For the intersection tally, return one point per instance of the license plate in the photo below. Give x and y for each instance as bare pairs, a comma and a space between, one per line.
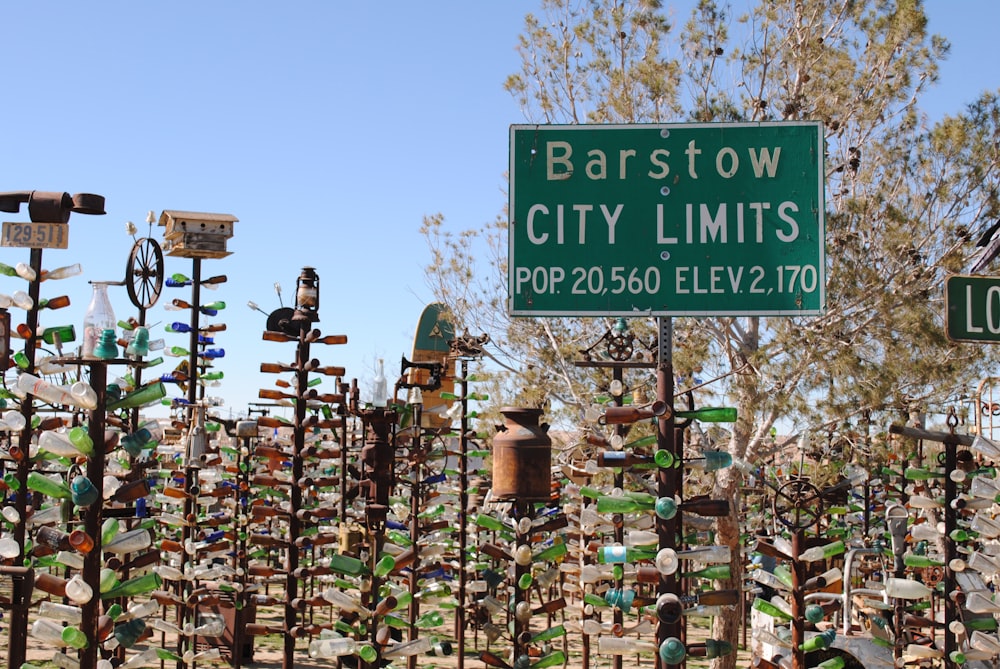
35, 235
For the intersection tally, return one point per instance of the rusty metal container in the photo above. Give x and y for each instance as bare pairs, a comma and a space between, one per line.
522, 457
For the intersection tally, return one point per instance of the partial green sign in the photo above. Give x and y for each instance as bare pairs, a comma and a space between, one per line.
713, 219
972, 305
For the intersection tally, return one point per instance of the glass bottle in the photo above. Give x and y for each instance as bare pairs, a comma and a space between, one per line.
556, 658
51, 392
47, 486
8, 270
818, 642
905, 588
129, 542
618, 554
379, 391
612, 645
78, 590
710, 414
920, 561
62, 272
770, 609
64, 334
99, 317
127, 633
140, 397
717, 571
822, 552
58, 443
712, 648
825, 579
135, 586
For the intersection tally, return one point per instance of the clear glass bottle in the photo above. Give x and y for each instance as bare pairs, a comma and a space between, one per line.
380, 391
99, 317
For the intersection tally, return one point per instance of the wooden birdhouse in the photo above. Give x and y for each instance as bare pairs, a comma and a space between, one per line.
192, 234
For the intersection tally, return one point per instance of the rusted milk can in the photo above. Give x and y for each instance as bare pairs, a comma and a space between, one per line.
522, 457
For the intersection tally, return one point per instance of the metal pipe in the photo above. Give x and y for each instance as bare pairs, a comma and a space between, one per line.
848, 566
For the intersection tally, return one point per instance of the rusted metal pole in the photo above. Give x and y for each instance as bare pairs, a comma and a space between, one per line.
92, 561
668, 480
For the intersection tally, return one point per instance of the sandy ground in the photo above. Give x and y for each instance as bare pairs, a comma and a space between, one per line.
268, 653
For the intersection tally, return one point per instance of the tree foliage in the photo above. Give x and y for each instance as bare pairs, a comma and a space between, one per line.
906, 200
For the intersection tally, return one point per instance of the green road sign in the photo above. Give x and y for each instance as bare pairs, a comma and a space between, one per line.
716, 219
973, 308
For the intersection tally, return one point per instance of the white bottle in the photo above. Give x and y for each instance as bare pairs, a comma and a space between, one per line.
380, 392
904, 588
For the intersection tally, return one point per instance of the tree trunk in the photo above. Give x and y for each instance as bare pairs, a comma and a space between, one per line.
728, 534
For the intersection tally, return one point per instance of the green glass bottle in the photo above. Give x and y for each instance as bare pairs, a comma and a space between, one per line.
960, 535
135, 586
49, 487
556, 658
922, 474
618, 554
553, 552
715, 572
490, 523
547, 635
384, 565
921, 561
345, 564
429, 619
818, 642
81, 439
784, 574
665, 507
984, 624
710, 649
74, 638
710, 414
140, 397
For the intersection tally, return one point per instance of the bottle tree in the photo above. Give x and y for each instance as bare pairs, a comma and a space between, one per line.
296, 519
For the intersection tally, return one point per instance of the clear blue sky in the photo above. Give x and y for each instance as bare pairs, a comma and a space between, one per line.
330, 129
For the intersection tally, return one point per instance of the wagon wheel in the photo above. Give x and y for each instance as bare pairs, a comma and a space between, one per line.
797, 504
620, 348
144, 273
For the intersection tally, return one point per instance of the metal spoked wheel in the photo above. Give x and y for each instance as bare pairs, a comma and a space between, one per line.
144, 273
620, 348
797, 504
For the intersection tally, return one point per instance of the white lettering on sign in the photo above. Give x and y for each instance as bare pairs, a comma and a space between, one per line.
726, 223
601, 165
538, 212
688, 280
741, 222
992, 314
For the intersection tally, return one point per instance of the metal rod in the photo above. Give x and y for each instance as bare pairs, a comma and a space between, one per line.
463, 521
